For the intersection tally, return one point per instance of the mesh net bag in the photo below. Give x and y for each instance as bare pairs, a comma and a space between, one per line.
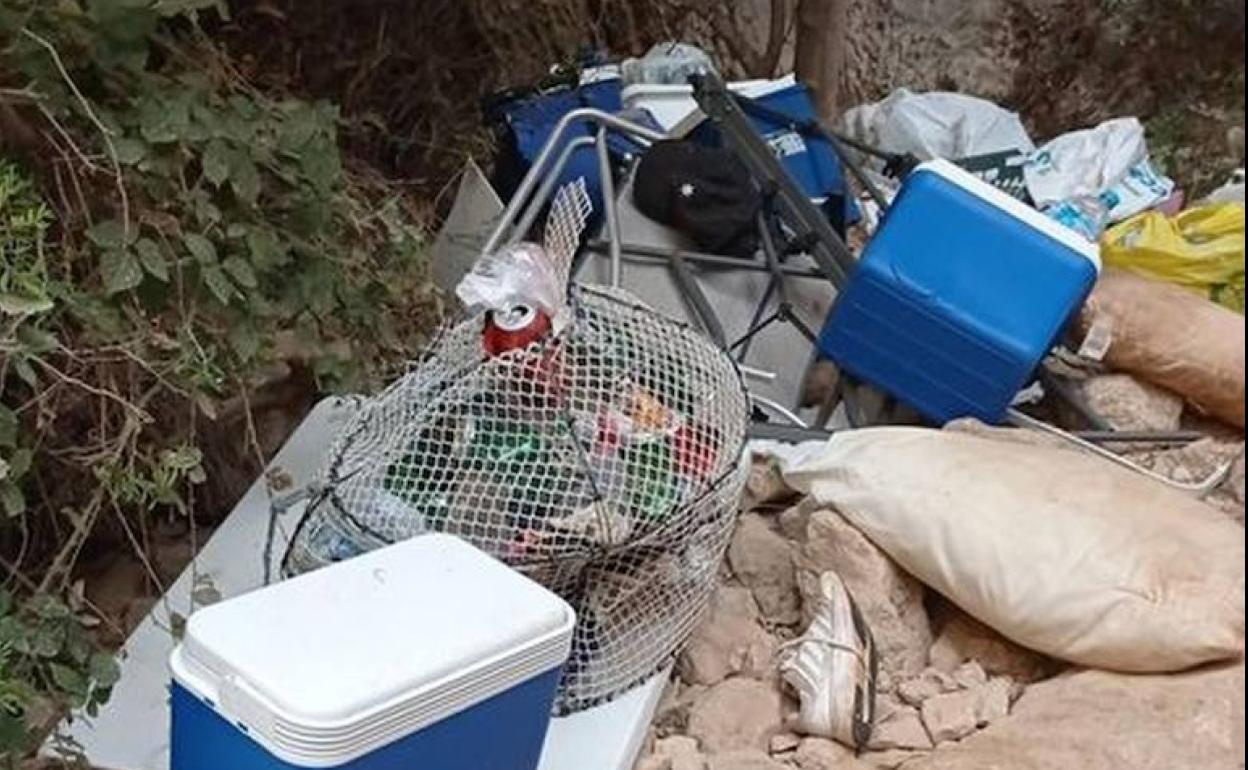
603, 461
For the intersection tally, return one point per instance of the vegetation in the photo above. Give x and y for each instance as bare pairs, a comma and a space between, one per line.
170, 238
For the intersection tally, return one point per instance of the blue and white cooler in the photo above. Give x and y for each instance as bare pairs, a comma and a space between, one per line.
424, 655
958, 297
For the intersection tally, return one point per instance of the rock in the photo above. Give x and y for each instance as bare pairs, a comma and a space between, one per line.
891, 600
823, 754
743, 760
993, 701
784, 743
1097, 720
891, 759
1129, 404
672, 715
931, 682
680, 753
738, 713
653, 762
763, 561
730, 641
963, 638
794, 519
970, 675
765, 484
951, 716
901, 729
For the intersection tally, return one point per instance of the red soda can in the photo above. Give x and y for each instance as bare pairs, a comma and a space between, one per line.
516, 327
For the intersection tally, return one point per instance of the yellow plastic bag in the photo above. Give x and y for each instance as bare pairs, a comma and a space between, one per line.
1201, 248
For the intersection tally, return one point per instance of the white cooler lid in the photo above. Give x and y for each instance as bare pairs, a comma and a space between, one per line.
326, 666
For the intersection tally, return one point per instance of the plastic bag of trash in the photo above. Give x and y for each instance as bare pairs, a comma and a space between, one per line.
1201, 248
1090, 178
667, 64
1103, 568
937, 125
1168, 336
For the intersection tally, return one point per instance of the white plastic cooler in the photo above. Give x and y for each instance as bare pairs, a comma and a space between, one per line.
427, 654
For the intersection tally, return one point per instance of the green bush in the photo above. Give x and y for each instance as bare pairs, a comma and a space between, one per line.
170, 237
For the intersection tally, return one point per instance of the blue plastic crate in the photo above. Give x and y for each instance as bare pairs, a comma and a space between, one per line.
958, 297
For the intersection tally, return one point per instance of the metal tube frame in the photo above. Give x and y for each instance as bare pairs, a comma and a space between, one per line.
536, 174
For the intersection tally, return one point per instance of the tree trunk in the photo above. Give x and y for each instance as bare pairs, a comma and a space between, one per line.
821, 51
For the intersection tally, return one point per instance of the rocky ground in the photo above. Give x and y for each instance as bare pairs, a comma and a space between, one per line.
952, 694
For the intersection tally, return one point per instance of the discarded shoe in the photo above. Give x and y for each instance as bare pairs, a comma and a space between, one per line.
833, 668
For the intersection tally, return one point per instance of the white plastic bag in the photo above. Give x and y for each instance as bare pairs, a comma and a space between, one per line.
1060, 552
937, 125
1090, 178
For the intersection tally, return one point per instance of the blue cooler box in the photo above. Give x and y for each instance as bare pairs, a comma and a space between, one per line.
427, 655
958, 296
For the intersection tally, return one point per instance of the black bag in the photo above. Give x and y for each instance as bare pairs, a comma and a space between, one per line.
705, 192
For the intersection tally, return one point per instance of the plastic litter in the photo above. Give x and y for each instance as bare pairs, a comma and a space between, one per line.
1201, 248
937, 125
1232, 191
1091, 178
667, 63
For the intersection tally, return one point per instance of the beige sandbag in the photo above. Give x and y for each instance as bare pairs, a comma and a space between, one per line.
1060, 552
1171, 337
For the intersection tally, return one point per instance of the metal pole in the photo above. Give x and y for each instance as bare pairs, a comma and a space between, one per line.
639, 133
608, 205
659, 255
548, 187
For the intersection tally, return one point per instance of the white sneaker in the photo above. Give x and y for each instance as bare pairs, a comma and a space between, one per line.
833, 668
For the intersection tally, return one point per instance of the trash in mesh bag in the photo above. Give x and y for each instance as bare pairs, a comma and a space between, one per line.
600, 456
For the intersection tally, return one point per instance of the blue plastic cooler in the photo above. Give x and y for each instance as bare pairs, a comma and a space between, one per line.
427, 654
958, 296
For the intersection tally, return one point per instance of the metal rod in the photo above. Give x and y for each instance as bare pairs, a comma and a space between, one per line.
701, 308
639, 133
1198, 489
779, 409
1140, 436
548, 187
660, 254
787, 433
608, 205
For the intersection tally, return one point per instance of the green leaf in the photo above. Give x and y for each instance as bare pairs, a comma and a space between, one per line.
266, 251
240, 270
201, 248
111, 234
130, 151
23, 369
36, 340
245, 340
244, 178
69, 680
12, 499
153, 259
19, 463
8, 427
218, 284
121, 270
104, 669
216, 162
23, 304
